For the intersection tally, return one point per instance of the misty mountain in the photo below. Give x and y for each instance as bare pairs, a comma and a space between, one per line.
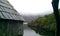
29, 18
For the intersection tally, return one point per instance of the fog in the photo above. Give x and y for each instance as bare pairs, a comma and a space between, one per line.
32, 7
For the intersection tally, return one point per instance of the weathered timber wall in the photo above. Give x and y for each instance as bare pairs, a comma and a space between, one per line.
11, 28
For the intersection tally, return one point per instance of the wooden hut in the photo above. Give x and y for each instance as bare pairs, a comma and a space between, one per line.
11, 22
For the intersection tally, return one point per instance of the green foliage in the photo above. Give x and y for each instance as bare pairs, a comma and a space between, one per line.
47, 22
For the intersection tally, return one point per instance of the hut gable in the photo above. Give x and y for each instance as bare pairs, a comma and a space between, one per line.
8, 12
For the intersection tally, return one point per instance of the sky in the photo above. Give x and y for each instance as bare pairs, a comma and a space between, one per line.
32, 7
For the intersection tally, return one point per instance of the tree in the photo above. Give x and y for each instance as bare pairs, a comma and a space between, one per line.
56, 12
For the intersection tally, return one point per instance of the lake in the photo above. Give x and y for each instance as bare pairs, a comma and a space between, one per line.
28, 31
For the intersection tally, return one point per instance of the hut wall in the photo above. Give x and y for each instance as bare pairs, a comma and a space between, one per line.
3, 28
11, 28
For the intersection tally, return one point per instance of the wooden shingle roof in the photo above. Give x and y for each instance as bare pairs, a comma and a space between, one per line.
8, 12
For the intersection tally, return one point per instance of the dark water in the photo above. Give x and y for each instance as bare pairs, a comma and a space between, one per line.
29, 32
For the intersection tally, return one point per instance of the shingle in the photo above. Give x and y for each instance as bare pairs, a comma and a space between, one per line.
16, 17
4, 1
5, 5
0, 9
5, 15
9, 15
8, 12
13, 17
1, 16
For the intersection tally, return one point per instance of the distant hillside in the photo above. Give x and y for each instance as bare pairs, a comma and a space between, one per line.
45, 25
28, 18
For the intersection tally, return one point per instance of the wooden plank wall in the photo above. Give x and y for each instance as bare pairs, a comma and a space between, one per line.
11, 28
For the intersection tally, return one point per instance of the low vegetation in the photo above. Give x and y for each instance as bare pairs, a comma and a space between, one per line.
45, 25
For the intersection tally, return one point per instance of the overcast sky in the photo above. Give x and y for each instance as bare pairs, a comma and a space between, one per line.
32, 6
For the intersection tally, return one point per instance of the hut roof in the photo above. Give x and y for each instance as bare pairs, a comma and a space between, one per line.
8, 12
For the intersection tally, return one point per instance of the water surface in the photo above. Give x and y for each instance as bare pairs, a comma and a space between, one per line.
28, 31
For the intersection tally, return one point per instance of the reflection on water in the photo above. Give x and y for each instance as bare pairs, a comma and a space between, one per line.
29, 32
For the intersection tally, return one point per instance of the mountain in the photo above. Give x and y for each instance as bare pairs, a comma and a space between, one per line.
29, 18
